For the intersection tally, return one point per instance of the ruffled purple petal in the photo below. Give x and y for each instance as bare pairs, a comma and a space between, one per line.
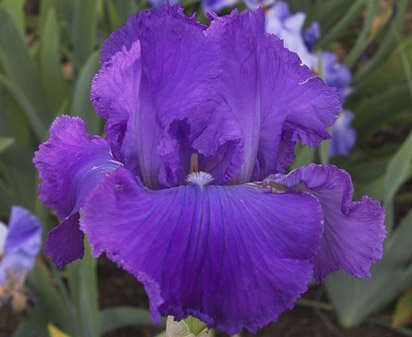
131, 31
159, 86
270, 93
22, 243
114, 93
233, 256
354, 231
71, 163
343, 135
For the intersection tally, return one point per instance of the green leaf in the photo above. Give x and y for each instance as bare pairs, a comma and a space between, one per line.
22, 76
81, 104
30, 328
50, 61
38, 125
5, 143
48, 299
362, 41
84, 31
17, 177
403, 311
162, 334
195, 325
398, 170
113, 15
324, 151
328, 12
82, 281
386, 47
119, 317
45, 7
16, 10
304, 156
13, 122
336, 31
393, 72
379, 109
126, 7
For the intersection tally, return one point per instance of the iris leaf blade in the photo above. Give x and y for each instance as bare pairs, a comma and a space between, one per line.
118, 317
50, 61
81, 104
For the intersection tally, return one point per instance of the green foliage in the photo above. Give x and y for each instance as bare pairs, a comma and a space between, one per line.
403, 311
38, 81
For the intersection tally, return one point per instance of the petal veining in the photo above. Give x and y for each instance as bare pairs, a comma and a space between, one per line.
233, 256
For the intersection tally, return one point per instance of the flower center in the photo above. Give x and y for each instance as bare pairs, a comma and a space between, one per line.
195, 176
199, 178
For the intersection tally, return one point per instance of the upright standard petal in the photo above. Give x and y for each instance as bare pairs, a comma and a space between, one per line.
233, 256
160, 73
271, 94
114, 93
354, 231
71, 163
22, 243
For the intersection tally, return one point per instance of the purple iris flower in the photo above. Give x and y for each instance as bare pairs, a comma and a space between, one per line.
343, 135
311, 35
187, 190
19, 245
336, 74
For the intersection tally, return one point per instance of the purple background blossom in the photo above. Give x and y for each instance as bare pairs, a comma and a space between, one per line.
19, 243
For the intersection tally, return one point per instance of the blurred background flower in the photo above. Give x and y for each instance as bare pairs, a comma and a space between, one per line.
19, 247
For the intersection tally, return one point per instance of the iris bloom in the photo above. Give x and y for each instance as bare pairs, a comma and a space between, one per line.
19, 246
187, 190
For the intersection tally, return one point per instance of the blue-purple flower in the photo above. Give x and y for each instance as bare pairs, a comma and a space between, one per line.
19, 246
343, 135
187, 189
336, 74
288, 27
